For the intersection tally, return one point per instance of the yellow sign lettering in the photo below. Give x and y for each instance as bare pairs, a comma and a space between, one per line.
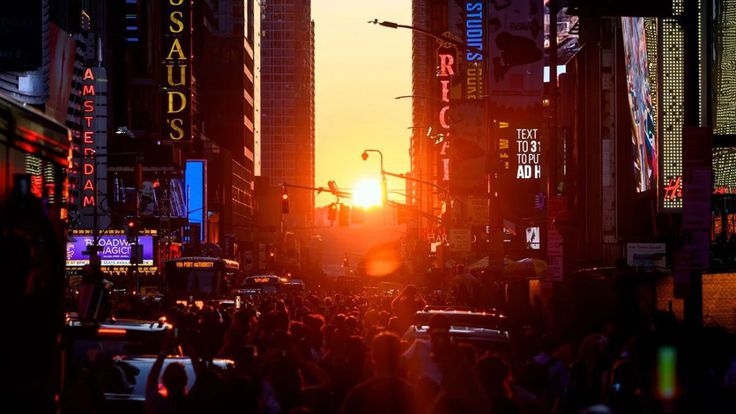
176, 19
182, 75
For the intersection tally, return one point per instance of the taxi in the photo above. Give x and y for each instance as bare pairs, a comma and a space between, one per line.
487, 330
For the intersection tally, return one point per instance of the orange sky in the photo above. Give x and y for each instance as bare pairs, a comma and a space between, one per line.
359, 69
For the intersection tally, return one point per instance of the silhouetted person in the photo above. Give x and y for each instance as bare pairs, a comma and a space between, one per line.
404, 306
494, 375
466, 288
387, 392
175, 380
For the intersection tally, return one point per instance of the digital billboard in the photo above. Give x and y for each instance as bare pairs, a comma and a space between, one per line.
115, 250
195, 183
724, 170
644, 131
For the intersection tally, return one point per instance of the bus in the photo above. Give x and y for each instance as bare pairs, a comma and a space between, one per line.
199, 278
269, 284
35, 158
256, 284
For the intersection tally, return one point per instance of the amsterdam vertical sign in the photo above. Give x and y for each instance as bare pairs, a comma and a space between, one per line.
176, 91
89, 149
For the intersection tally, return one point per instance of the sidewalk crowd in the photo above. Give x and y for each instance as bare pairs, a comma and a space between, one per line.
343, 353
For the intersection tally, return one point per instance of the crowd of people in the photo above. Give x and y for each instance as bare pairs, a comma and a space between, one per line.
339, 352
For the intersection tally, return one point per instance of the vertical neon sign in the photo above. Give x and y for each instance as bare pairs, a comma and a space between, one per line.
446, 67
176, 90
474, 36
89, 155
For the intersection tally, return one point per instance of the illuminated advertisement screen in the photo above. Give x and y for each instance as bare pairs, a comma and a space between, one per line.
115, 250
195, 179
644, 133
724, 170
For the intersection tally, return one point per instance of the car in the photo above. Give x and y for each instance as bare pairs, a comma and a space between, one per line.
118, 354
116, 335
259, 284
128, 395
88, 346
487, 330
293, 285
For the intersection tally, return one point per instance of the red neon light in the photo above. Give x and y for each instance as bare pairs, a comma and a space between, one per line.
673, 189
111, 331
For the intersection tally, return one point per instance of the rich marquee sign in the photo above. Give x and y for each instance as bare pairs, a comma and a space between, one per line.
176, 91
446, 65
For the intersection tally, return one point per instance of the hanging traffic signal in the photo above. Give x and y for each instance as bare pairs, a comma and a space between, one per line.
332, 212
132, 230
344, 215
285, 203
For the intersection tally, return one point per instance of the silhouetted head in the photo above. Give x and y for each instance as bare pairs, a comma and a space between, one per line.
175, 378
386, 351
439, 324
492, 370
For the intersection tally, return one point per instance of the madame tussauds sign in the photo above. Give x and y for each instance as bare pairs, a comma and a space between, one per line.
176, 91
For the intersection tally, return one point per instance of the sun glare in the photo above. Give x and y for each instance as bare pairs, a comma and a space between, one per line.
367, 193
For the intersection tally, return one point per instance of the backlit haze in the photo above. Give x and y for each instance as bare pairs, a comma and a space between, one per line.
359, 70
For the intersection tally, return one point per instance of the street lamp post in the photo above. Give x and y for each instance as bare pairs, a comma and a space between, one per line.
445, 38
495, 226
95, 260
384, 186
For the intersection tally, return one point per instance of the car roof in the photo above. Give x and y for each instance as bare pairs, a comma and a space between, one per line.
138, 367
465, 316
128, 324
466, 332
472, 324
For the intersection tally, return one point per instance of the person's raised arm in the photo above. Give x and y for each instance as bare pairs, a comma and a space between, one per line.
420, 300
397, 299
153, 375
189, 348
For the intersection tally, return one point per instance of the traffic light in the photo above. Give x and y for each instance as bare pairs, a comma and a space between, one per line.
333, 187
132, 230
136, 254
332, 212
284, 201
344, 215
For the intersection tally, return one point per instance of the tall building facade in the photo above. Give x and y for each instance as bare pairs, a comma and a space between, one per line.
475, 149
287, 108
147, 88
225, 67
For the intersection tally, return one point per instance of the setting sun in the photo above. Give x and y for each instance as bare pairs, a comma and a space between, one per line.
367, 193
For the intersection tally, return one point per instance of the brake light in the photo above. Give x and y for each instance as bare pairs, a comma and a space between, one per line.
111, 331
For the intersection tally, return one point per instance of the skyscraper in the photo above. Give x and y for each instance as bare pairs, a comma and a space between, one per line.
287, 105
225, 51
